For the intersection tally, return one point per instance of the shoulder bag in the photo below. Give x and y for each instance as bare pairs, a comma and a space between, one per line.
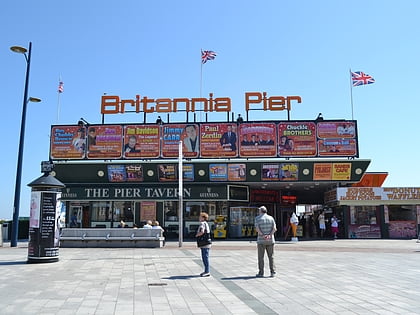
204, 239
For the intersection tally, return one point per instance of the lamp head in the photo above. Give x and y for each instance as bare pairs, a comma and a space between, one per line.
18, 49
34, 99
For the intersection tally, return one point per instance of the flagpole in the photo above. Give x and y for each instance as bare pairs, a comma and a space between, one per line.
351, 96
201, 81
58, 99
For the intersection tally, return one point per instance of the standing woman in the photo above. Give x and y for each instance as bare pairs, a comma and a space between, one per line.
205, 249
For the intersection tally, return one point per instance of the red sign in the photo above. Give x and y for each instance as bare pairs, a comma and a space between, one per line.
257, 140
107, 142
68, 142
141, 141
218, 140
297, 139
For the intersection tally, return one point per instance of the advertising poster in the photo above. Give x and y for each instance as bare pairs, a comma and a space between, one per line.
341, 171
141, 141
107, 143
147, 210
116, 173
167, 172
289, 171
35, 209
188, 172
337, 147
218, 172
257, 140
187, 133
218, 140
297, 139
134, 173
336, 129
191, 141
322, 171
270, 172
68, 142
236, 172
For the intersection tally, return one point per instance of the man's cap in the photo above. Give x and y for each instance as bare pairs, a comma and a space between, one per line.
263, 209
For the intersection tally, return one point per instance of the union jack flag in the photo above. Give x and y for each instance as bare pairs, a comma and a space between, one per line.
207, 55
61, 87
361, 78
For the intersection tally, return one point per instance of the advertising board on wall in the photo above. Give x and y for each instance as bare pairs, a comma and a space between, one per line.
304, 139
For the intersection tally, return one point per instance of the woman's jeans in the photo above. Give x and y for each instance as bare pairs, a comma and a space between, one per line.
205, 257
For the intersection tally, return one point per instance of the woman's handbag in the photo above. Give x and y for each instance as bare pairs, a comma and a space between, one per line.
203, 240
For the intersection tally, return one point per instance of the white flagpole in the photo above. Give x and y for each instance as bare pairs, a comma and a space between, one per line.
58, 99
351, 96
201, 81
180, 194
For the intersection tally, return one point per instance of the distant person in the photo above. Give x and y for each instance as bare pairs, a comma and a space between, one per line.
294, 222
334, 226
321, 222
191, 143
73, 220
228, 139
156, 226
265, 227
239, 119
159, 121
205, 249
148, 224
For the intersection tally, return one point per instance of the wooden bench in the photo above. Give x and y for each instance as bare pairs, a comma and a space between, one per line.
118, 237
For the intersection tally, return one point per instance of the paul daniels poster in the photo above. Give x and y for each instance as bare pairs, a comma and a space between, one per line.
106, 142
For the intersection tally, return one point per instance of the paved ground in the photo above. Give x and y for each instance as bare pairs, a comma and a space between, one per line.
314, 277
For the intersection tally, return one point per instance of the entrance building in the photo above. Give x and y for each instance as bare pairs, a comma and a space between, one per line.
101, 194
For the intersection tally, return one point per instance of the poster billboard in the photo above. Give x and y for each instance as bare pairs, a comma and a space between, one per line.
141, 141
68, 142
218, 140
174, 133
272, 139
257, 140
105, 142
297, 139
337, 138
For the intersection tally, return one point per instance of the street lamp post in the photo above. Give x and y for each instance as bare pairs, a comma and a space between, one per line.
15, 223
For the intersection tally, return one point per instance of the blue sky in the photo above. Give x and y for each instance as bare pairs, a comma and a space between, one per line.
152, 48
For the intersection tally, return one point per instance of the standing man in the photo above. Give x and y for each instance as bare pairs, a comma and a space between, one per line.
266, 227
